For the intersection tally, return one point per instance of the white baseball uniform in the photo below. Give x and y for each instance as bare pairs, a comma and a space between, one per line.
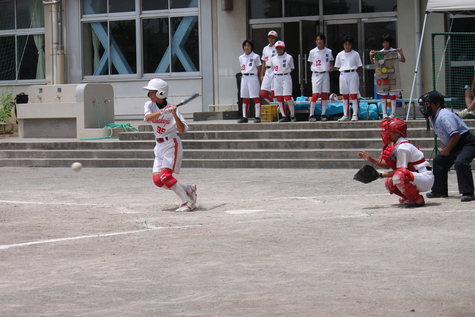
168, 149
282, 66
320, 60
250, 80
405, 153
348, 63
268, 81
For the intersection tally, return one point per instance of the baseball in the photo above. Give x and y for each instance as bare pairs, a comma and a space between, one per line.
76, 166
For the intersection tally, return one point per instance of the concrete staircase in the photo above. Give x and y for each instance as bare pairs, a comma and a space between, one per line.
221, 144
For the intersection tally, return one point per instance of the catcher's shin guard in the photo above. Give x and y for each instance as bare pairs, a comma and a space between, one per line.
402, 179
392, 189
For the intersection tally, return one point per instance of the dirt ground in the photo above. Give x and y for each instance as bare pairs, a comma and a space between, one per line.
263, 242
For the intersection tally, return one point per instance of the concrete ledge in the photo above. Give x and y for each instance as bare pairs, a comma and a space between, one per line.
222, 115
215, 108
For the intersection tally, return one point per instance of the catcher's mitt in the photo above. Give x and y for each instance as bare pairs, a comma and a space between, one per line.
366, 174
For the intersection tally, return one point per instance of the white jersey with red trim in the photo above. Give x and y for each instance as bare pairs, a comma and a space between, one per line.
405, 152
282, 64
267, 53
249, 63
165, 125
320, 59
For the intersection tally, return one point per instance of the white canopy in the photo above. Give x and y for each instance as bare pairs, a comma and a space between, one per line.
450, 6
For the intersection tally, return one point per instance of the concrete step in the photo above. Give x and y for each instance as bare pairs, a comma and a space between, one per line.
275, 134
275, 163
78, 154
233, 126
294, 154
291, 144
221, 145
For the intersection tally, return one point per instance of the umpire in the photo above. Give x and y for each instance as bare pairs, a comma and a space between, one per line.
458, 147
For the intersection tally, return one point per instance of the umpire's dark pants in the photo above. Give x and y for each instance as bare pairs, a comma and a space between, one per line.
461, 155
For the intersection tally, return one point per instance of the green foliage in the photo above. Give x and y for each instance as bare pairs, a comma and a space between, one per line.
8, 103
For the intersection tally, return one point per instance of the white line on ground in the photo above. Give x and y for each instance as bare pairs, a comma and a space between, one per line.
242, 211
49, 203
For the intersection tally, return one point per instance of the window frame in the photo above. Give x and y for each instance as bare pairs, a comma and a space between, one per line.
18, 32
138, 17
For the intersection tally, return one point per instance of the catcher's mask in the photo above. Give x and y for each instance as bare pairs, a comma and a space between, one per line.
426, 99
392, 125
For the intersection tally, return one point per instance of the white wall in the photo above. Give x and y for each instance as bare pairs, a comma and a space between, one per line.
230, 31
406, 32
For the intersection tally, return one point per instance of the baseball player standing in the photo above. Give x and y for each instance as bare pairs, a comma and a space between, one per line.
386, 40
410, 173
321, 63
168, 149
283, 64
266, 75
250, 68
349, 63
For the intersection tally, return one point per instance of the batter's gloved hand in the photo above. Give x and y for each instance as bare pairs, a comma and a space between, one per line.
366, 174
167, 110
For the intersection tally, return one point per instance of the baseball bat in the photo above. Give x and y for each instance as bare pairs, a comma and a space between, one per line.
187, 99
181, 103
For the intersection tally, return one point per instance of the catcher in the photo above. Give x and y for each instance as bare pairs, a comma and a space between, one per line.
411, 173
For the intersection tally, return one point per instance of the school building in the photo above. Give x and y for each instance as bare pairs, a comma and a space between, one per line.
194, 44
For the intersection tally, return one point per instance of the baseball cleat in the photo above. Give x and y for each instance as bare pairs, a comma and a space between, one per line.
312, 119
257, 120
293, 119
354, 118
385, 116
464, 113
415, 204
284, 119
344, 118
242, 120
323, 118
188, 206
392, 116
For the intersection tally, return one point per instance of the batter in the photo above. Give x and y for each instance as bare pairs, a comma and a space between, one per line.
168, 149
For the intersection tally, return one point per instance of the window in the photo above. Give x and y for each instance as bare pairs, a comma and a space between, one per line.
294, 8
340, 6
22, 40
169, 43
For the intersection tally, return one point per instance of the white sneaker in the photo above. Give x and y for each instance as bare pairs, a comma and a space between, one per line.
392, 116
462, 114
344, 118
385, 116
191, 192
354, 118
187, 206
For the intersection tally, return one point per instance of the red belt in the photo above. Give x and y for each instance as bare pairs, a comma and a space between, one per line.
161, 140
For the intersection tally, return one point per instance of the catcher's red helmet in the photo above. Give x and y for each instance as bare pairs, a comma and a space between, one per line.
392, 125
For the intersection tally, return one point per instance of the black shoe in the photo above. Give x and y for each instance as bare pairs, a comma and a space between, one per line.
323, 117
242, 120
284, 119
312, 119
467, 197
257, 120
415, 205
293, 119
436, 195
